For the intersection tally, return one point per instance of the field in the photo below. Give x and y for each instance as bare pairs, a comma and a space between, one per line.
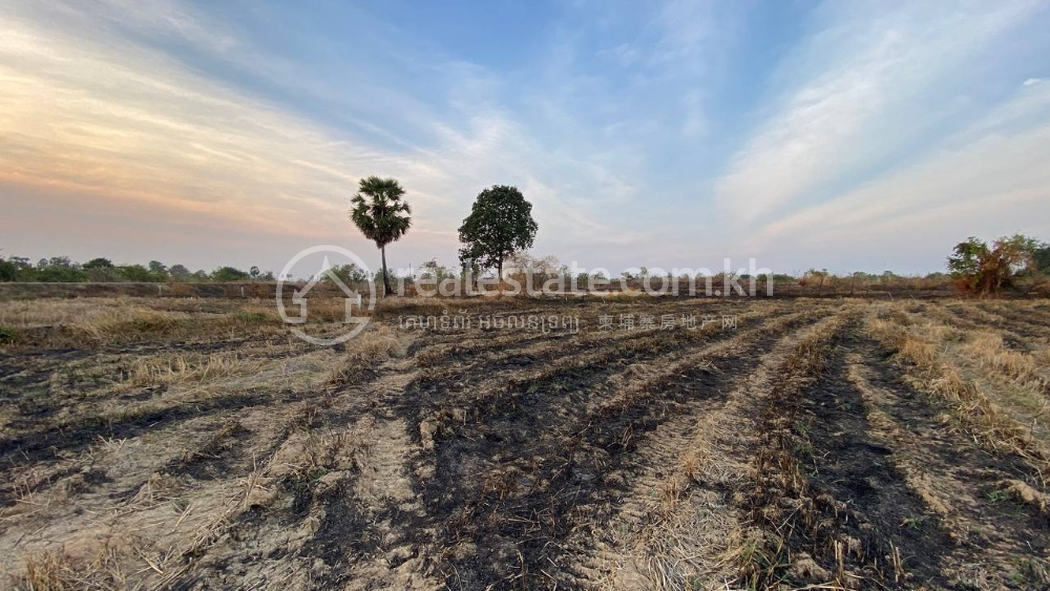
181, 443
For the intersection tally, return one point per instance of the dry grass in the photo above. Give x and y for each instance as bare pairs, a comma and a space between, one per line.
219, 459
781, 504
187, 367
376, 345
118, 324
58, 571
365, 352
990, 352
105, 321
923, 347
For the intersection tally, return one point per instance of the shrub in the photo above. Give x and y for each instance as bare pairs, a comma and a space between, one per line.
229, 274
99, 263
8, 271
1042, 258
136, 273
985, 270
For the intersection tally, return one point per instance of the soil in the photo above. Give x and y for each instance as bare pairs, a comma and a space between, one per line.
792, 451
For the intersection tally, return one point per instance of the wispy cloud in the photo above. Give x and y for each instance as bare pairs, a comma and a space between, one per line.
858, 90
994, 171
93, 109
643, 133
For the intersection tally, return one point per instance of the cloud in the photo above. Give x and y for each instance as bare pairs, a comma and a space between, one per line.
858, 90
623, 55
88, 107
993, 171
614, 123
118, 120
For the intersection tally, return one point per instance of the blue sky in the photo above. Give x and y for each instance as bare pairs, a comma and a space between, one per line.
845, 135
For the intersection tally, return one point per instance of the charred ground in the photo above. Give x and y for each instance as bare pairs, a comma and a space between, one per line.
841, 443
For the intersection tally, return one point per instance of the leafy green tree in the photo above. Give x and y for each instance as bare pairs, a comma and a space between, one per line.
966, 258
988, 270
435, 271
100, 269
62, 262
1041, 257
379, 211
99, 263
8, 271
180, 273
350, 273
500, 224
24, 270
159, 270
59, 269
102, 274
229, 274
135, 273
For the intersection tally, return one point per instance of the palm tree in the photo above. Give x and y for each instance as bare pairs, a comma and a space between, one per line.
383, 217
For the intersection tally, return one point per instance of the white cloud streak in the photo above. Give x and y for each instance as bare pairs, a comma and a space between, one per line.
85, 109
994, 171
867, 84
100, 106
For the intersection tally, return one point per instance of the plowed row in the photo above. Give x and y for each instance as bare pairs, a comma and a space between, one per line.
821, 443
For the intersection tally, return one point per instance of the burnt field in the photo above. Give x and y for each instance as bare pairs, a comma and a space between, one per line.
818, 443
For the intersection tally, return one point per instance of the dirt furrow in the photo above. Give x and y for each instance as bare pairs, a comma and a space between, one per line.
1024, 324
335, 484
568, 375
983, 511
527, 352
546, 468
673, 525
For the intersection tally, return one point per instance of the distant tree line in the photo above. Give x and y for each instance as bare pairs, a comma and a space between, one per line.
63, 270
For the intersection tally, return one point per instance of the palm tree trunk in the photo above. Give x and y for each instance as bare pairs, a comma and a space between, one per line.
386, 278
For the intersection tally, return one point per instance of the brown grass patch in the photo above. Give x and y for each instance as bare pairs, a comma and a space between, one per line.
921, 349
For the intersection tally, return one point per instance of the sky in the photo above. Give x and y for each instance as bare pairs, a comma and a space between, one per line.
845, 135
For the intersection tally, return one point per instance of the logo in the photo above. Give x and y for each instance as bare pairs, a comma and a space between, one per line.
300, 297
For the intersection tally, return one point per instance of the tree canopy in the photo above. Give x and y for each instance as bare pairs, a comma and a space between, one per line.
8, 270
380, 212
989, 270
229, 274
500, 224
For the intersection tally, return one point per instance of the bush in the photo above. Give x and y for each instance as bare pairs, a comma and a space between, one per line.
8, 271
99, 263
985, 270
1042, 258
229, 274
136, 273
60, 274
